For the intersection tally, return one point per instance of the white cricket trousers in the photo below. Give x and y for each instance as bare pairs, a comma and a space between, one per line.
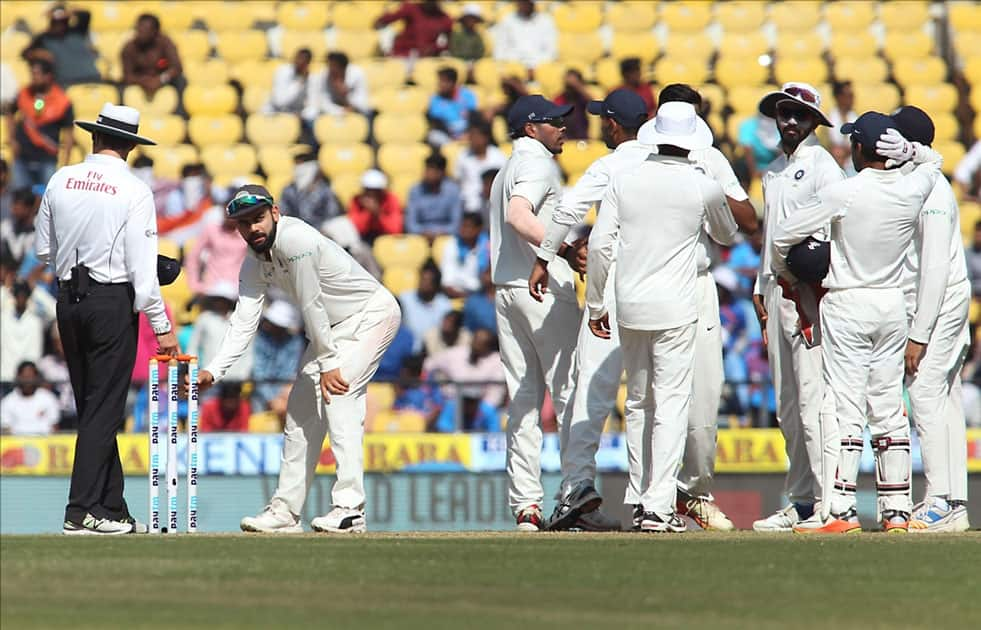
864, 339
361, 341
538, 346
935, 399
799, 387
659, 365
698, 464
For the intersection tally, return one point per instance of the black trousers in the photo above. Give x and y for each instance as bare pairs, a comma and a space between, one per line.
99, 337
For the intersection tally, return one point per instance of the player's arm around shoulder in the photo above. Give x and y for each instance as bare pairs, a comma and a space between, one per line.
720, 224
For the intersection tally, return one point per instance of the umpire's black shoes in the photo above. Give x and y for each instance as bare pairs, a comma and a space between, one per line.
582, 500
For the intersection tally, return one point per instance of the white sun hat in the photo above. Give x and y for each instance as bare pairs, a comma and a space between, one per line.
677, 124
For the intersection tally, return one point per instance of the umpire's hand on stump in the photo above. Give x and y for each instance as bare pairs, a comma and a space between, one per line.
205, 380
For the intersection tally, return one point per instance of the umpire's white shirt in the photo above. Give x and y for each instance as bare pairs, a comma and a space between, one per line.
935, 259
651, 219
322, 279
790, 184
529, 173
100, 214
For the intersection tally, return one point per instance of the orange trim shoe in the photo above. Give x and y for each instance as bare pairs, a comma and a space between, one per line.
846, 523
895, 522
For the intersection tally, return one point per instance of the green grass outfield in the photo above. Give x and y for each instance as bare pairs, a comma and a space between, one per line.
485, 580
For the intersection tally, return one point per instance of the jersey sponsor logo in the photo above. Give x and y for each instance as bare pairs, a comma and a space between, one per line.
297, 257
90, 186
150, 233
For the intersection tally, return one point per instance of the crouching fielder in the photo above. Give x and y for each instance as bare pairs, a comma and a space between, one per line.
863, 316
654, 244
349, 319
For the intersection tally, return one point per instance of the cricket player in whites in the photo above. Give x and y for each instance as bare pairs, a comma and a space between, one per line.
537, 339
873, 218
792, 183
650, 220
938, 296
349, 319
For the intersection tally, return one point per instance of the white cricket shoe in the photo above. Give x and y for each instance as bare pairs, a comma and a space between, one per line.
92, 526
275, 519
705, 513
341, 521
655, 523
530, 519
935, 515
780, 521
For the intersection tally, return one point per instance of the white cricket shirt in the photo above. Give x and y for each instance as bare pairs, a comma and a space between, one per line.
873, 216
529, 173
792, 183
98, 213
321, 279
652, 216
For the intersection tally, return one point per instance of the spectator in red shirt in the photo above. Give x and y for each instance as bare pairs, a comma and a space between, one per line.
228, 411
376, 210
574, 93
150, 59
632, 80
426, 30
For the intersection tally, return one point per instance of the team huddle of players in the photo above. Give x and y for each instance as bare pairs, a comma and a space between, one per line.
862, 288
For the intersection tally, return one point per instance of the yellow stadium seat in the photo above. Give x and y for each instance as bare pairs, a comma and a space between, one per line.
234, 47
631, 15
733, 71
114, 16
975, 99
797, 15
713, 94
254, 72
972, 69
904, 16
303, 15
970, 215
177, 294
400, 279
849, 15
356, 16
499, 130
110, 43
408, 251
793, 44
952, 152
643, 45
964, 16
608, 73
169, 160
694, 46
231, 16
977, 126
346, 186
907, 45
232, 160
933, 98
686, 17
209, 72
12, 43
882, 97
550, 76
680, 70
88, 98
402, 421
265, 422
748, 45
740, 17
403, 159
400, 128
404, 99
488, 72
853, 44
401, 184
343, 129
381, 395
254, 98
166, 129
292, 41
191, 45
353, 158
276, 184
744, 100
813, 70
164, 100
577, 156
384, 73
578, 17
218, 129
356, 45
945, 125
919, 71
425, 69
263, 129
204, 100
439, 247
276, 159
870, 69
175, 16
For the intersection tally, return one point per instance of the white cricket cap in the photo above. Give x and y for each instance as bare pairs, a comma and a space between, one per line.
726, 278
283, 314
373, 179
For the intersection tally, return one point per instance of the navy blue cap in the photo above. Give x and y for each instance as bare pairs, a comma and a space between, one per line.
869, 127
623, 105
915, 124
810, 259
534, 108
167, 269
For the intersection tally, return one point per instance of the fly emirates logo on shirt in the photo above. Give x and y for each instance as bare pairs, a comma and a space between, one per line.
92, 183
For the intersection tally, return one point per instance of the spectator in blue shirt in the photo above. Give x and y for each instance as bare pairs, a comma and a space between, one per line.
414, 394
435, 204
400, 351
450, 108
277, 347
479, 310
744, 259
759, 137
425, 308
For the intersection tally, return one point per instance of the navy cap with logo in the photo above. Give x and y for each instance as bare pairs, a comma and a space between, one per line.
868, 127
534, 108
248, 199
622, 105
810, 259
914, 124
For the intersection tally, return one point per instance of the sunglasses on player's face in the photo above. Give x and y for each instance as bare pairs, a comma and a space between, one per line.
803, 94
558, 122
792, 111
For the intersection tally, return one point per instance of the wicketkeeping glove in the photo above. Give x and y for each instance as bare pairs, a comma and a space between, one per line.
893, 146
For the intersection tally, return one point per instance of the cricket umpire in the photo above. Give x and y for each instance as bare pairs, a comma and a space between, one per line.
97, 226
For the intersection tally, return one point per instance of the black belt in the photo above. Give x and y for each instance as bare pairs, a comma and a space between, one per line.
66, 284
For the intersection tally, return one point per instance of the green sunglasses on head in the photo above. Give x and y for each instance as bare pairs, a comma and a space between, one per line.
244, 203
